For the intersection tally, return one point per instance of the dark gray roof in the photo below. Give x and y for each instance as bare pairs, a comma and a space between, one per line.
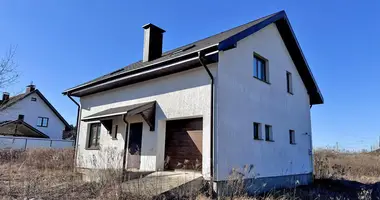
177, 52
182, 58
14, 99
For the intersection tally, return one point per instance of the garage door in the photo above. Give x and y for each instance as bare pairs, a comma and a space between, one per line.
183, 145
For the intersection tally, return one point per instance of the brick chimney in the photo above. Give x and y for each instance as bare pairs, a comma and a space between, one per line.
5, 96
30, 88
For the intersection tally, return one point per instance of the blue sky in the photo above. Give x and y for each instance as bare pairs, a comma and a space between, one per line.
65, 43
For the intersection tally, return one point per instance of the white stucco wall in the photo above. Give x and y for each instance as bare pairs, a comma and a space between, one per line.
181, 95
243, 99
31, 111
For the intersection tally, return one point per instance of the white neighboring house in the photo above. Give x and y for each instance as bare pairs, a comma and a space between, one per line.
32, 114
240, 100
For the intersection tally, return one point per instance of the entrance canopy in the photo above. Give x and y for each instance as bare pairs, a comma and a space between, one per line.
146, 110
20, 128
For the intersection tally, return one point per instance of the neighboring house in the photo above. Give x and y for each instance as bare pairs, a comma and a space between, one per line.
240, 100
30, 115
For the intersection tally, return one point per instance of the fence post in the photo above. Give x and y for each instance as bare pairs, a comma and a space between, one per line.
26, 143
51, 141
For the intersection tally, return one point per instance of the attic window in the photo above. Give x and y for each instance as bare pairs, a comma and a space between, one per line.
34, 99
117, 71
182, 50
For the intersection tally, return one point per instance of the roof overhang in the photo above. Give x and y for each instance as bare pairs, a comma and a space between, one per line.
146, 110
167, 67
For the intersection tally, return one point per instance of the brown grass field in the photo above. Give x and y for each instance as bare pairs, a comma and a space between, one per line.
50, 174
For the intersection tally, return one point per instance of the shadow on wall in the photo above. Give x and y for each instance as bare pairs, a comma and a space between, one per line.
180, 81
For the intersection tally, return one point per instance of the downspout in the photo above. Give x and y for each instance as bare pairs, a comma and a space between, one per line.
77, 131
201, 60
125, 146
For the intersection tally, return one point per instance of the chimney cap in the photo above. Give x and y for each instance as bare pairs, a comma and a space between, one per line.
150, 25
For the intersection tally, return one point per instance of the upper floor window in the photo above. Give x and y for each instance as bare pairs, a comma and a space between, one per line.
33, 99
260, 68
289, 82
268, 133
43, 122
256, 131
292, 137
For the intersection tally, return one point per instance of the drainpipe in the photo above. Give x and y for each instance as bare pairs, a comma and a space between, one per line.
201, 60
125, 145
77, 131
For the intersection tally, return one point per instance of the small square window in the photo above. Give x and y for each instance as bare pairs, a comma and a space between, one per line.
256, 131
268, 133
21, 117
42, 122
260, 68
292, 137
289, 82
34, 99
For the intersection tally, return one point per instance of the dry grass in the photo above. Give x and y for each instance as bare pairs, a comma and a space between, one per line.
50, 174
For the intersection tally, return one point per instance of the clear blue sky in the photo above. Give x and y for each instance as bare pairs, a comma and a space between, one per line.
64, 43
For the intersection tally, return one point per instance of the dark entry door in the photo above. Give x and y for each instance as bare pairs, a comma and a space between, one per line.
183, 145
134, 145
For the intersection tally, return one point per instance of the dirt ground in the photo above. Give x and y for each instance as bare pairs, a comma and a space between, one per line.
50, 174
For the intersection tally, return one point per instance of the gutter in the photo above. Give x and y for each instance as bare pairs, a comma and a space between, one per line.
126, 139
201, 57
77, 129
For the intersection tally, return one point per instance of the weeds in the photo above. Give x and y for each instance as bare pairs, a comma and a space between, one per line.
50, 174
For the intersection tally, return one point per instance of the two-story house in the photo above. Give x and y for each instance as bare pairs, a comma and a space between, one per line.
30, 114
238, 100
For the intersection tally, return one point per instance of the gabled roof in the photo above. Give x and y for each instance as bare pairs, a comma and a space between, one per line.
219, 42
14, 99
20, 128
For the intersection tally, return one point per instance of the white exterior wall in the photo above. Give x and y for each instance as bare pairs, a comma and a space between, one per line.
243, 99
181, 95
31, 111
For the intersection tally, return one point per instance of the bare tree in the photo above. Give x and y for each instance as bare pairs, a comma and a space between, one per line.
8, 68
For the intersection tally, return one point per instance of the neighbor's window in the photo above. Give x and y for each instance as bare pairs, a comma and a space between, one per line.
43, 122
34, 99
268, 133
260, 69
292, 137
256, 131
21, 117
94, 136
289, 82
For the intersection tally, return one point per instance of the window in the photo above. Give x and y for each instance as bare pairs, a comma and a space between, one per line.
34, 99
94, 136
43, 122
114, 134
260, 69
21, 117
292, 137
256, 131
268, 133
289, 83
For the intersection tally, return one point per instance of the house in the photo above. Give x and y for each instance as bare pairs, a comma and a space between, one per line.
238, 101
30, 114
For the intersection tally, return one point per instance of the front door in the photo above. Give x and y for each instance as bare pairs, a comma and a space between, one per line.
134, 145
